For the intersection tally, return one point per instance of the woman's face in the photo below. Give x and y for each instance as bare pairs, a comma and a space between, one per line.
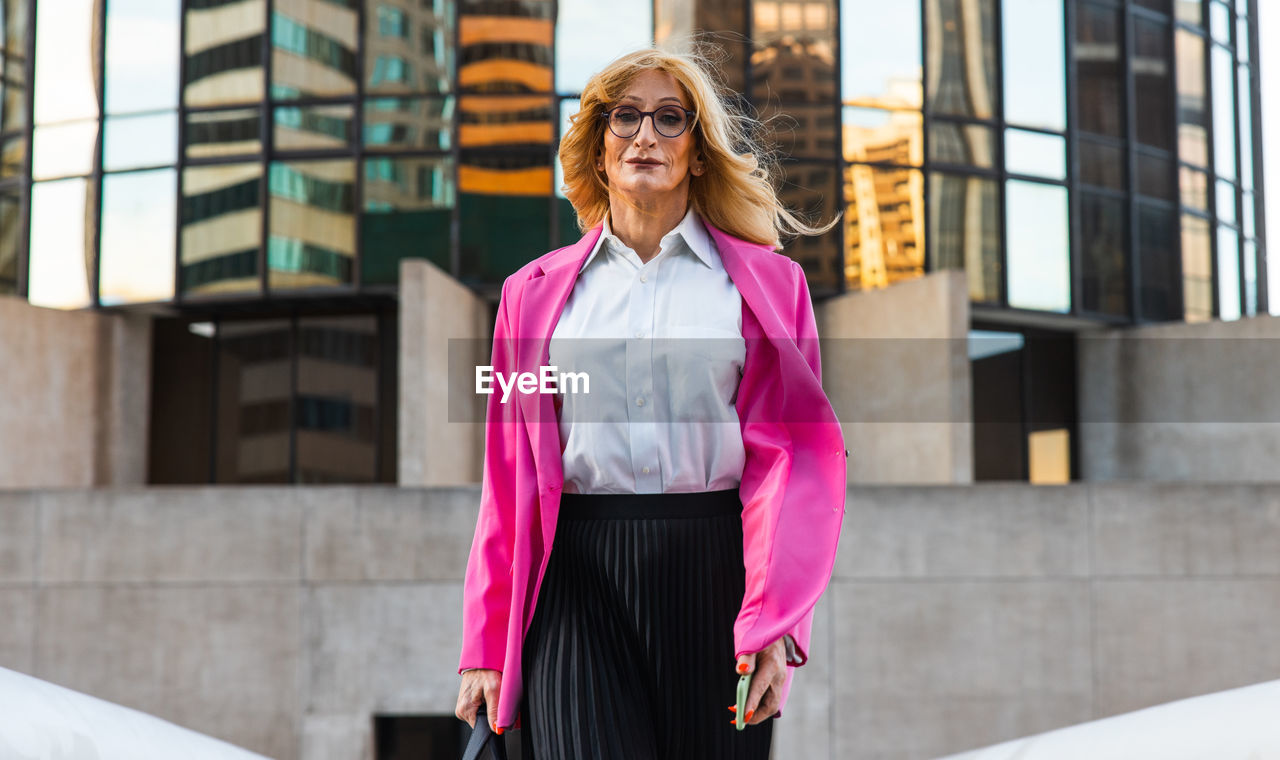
648, 164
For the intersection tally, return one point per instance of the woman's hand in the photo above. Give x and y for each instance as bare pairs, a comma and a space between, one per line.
770, 669
478, 686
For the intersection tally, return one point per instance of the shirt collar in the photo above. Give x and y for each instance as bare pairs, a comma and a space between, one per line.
689, 229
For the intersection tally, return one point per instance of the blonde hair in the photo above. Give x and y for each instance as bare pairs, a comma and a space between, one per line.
735, 193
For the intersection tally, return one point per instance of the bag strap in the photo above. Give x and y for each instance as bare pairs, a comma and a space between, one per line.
483, 738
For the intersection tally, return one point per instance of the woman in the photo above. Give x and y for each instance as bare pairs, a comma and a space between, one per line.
626, 523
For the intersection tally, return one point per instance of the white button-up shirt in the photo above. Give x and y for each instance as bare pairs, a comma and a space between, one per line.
661, 342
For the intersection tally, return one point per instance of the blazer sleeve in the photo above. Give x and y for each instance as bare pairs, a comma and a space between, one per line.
487, 586
791, 529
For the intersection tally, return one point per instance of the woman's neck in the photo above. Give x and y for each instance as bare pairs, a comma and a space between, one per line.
641, 228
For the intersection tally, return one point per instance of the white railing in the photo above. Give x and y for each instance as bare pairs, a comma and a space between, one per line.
1241, 724
40, 720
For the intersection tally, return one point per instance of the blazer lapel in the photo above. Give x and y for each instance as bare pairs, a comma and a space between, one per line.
541, 304
742, 271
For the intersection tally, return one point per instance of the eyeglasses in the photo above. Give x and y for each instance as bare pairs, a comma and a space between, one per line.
669, 121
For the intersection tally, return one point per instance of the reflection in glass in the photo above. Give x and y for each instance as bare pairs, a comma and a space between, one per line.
408, 47
336, 407
1193, 112
1155, 176
314, 127
1190, 11
568, 107
10, 235
1220, 23
883, 226
504, 210
255, 371
1197, 270
13, 46
425, 123
1246, 129
405, 213
1247, 212
961, 57
497, 120
1100, 70
66, 65
964, 230
61, 261
1250, 278
131, 142
224, 133
64, 150
1228, 273
137, 237
1102, 163
1242, 39
142, 56
1035, 154
1035, 90
968, 144
880, 70
590, 34
1226, 202
313, 49
794, 55
876, 136
1224, 125
1152, 70
814, 190
1039, 243
1158, 286
506, 46
1194, 185
221, 228
224, 52
312, 240
13, 157
1103, 284
801, 131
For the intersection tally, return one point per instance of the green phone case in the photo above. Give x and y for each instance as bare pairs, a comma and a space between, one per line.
744, 688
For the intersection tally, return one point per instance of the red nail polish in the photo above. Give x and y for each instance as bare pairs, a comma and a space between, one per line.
500, 730
749, 714
742, 667
733, 722
733, 708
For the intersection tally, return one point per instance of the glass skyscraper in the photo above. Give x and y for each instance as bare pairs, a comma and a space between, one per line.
251, 172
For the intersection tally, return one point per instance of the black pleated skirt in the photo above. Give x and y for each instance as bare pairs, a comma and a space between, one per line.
630, 653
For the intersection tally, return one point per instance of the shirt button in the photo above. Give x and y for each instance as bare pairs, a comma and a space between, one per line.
639, 400
645, 471
639, 333
644, 277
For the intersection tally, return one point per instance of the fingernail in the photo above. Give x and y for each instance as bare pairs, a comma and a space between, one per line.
733, 708
733, 722
500, 730
749, 714
742, 667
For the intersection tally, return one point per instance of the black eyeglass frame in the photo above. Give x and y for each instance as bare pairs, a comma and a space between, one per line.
689, 116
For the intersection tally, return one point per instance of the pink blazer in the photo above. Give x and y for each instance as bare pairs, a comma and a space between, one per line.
793, 482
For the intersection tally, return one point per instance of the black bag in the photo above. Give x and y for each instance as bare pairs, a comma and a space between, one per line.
484, 742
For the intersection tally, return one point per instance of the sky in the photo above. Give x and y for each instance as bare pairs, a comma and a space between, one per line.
1269, 61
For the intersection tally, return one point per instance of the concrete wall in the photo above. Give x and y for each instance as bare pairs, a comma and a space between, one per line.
439, 316
75, 389
896, 367
1181, 402
281, 619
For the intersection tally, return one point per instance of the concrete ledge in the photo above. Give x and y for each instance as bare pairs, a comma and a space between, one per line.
282, 619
